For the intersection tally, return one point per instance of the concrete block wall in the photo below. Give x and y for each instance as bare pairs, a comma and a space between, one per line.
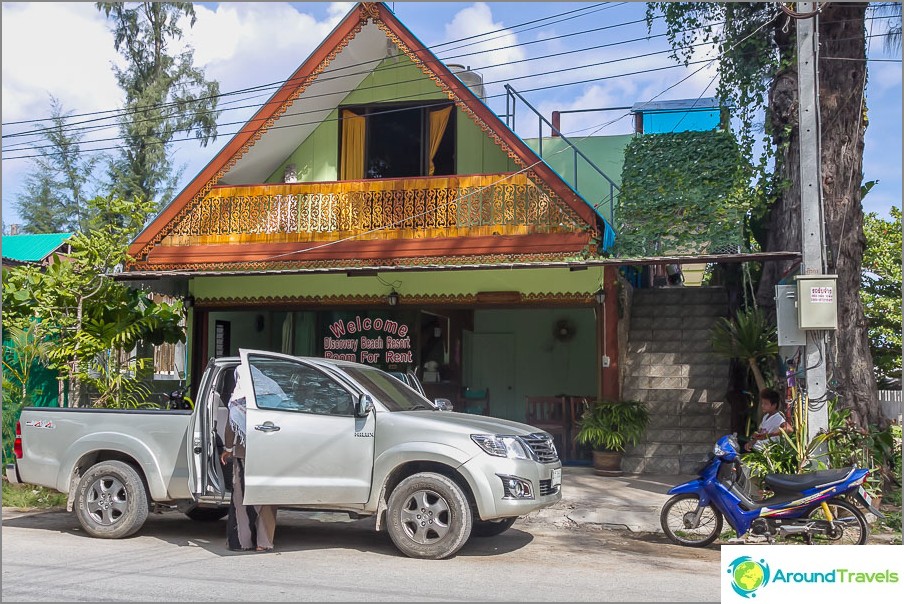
670, 367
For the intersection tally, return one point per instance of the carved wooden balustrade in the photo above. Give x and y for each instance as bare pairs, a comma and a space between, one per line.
447, 206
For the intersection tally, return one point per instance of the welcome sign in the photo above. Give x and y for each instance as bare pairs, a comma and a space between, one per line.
368, 340
790, 573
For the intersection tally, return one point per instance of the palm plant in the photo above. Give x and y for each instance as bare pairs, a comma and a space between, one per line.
611, 426
748, 336
22, 349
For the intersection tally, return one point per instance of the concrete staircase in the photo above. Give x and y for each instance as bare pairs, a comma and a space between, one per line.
670, 366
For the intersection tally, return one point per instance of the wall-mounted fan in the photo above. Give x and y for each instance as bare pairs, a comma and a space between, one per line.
564, 330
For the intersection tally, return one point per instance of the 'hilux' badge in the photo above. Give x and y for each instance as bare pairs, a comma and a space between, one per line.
364, 434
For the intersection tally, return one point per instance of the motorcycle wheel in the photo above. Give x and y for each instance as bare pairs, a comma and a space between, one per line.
851, 525
677, 520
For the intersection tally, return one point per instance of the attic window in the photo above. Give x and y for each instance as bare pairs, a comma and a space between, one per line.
394, 140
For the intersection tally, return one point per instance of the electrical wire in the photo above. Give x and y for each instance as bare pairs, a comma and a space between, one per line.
279, 83
72, 126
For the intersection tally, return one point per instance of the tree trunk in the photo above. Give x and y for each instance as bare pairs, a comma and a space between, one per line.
842, 112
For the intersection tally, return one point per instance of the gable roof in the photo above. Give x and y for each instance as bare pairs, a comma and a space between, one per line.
273, 132
32, 248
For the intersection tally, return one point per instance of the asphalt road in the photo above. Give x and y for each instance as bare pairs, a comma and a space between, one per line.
46, 557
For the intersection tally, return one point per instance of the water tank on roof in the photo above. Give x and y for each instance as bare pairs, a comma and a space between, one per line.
471, 79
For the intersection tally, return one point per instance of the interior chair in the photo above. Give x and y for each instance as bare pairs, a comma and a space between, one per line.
577, 405
548, 413
476, 400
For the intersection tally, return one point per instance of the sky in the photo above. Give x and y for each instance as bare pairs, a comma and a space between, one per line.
603, 58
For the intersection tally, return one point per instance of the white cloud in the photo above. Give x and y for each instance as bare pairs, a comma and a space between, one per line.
500, 48
63, 49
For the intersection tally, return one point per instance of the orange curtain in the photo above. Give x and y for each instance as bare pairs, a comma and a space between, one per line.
439, 119
352, 161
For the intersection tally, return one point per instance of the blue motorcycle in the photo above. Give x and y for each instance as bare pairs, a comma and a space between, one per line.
816, 507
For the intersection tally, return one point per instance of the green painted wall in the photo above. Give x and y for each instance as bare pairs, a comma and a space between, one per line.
395, 79
607, 152
414, 283
476, 152
543, 366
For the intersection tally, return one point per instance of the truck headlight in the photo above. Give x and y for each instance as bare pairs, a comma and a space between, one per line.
502, 445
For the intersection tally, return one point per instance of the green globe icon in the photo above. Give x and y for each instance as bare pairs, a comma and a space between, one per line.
748, 575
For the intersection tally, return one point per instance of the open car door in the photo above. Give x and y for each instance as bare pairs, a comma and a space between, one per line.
304, 443
204, 468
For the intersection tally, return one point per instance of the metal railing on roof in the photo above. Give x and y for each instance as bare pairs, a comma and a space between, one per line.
511, 98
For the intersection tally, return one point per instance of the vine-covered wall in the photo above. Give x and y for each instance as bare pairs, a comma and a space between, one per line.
683, 193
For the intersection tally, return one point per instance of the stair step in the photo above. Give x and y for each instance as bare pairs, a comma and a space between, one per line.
678, 295
658, 334
677, 311
655, 322
672, 358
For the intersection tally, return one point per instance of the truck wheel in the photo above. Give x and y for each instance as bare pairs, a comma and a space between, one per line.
428, 516
111, 500
207, 514
491, 528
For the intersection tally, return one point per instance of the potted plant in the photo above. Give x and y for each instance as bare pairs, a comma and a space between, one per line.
608, 427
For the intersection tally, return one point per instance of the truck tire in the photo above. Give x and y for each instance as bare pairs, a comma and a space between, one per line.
491, 528
200, 514
111, 501
428, 516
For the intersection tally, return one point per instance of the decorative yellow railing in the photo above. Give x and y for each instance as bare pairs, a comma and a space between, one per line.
374, 209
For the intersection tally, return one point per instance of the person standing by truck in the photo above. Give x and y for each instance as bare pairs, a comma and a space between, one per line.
248, 527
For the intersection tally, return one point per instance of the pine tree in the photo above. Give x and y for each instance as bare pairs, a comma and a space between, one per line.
60, 182
165, 94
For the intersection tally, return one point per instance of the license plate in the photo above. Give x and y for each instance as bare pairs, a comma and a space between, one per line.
865, 495
556, 477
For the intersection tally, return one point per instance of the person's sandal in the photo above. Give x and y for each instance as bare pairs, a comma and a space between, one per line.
263, 549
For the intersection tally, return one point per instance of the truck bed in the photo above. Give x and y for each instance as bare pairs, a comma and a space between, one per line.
55, 440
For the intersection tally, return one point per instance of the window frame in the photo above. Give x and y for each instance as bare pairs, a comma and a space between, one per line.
365, 110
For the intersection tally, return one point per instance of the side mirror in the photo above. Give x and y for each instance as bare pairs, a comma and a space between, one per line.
443, 404
364, 405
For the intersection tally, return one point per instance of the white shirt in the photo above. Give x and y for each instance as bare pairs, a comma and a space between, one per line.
770, 423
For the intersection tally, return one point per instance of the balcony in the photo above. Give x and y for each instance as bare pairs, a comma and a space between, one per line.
401, 208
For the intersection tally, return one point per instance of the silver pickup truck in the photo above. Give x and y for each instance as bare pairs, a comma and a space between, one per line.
322, 435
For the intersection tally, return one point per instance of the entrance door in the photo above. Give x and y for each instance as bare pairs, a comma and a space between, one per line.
493, 366
303, 441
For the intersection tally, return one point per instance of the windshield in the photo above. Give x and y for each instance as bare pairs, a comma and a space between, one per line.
390, 391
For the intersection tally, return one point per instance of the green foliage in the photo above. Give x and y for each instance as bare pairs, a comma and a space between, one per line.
880, 291
609, 425
22, 349
697, 180
753, 48
165, 95
844, 444
85, 313
748, 336
58, 185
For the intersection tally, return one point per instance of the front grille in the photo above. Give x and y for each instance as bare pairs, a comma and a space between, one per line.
547, 489
542, 446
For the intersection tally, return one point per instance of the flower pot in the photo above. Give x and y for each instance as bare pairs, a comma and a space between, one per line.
607, 463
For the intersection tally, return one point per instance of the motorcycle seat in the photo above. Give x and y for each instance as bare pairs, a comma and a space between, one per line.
802, 482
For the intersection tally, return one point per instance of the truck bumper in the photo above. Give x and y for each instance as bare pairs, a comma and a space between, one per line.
491, 478
12, 474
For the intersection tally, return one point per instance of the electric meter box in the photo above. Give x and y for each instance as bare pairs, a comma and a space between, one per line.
789, 334
817, 301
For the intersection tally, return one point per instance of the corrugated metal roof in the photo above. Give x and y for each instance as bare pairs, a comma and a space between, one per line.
32, 248
676, 105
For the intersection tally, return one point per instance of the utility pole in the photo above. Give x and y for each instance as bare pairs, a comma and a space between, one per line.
812, 230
